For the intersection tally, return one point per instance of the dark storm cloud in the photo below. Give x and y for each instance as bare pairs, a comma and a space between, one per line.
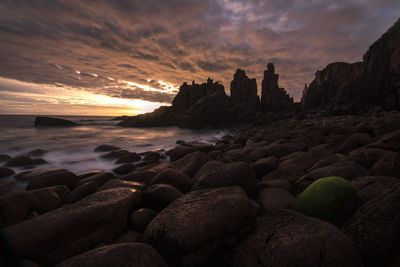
93, 44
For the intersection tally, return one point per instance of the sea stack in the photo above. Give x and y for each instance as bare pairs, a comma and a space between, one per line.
273, 98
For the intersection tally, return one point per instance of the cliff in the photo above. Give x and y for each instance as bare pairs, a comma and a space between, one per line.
354, 88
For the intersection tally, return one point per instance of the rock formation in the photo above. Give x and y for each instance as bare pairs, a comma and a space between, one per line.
53, 122
323, 90
355, 88
273, 98
195, 106
244, 98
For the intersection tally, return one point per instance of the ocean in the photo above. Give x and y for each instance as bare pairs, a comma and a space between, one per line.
72, 147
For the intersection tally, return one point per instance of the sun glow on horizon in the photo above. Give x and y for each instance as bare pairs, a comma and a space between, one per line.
65, 100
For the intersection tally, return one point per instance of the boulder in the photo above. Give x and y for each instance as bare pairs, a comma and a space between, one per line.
274, 198
128, 158
213, 175
388, 165
115, 154
158, 196
128, 237
179, 152
53, 122
265, 165
18, 206
152, 157
291, 174
281, 184
354, 141
332, 199
36, 152
369, 187
286, 238
19, 161
73, 229
368, 156
281, 150
175, 178
88, 186
375, 228
140, 176
127, 255
117, 183
191, 163
124, 168
322, 150
4, 157
45, 178
106, 148
258, 153
194, 229
235, 155
346, 169
5, 172
139, 219
328, 160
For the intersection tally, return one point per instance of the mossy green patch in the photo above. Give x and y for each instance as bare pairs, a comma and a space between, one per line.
333, 199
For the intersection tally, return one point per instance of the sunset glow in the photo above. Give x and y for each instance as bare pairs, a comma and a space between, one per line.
126, 57
63, 100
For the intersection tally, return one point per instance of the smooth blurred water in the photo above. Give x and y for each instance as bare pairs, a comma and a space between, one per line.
72, 147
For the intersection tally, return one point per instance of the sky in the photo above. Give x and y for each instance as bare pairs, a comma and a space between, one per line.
125, 57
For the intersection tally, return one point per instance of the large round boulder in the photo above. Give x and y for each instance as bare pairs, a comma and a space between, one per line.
285, 238
139, 219
174, 178
16, 207
266, 165
370, 187
45, 178
274, 198
19, 161
333, 199
191, 163
127, 255
213, 175
194, 229
388, 165
73, 229
158, 196
5, 172
375, 229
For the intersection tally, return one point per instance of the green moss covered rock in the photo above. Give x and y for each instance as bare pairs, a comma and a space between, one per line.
331, 198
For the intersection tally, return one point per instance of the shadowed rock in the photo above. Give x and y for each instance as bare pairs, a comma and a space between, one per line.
128, 255
192, 229
274, 99
73, 229
53, 122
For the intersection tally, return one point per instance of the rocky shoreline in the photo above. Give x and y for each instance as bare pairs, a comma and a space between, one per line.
255, 198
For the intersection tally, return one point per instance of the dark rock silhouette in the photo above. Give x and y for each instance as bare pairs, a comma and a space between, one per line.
353, 88
340, 88
195, 106
323, 90
273, 98
53, 122
244, 98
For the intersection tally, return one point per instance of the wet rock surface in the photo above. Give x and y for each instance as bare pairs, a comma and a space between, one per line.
72, 229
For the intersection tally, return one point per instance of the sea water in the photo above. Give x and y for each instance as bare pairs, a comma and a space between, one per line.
72, 148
